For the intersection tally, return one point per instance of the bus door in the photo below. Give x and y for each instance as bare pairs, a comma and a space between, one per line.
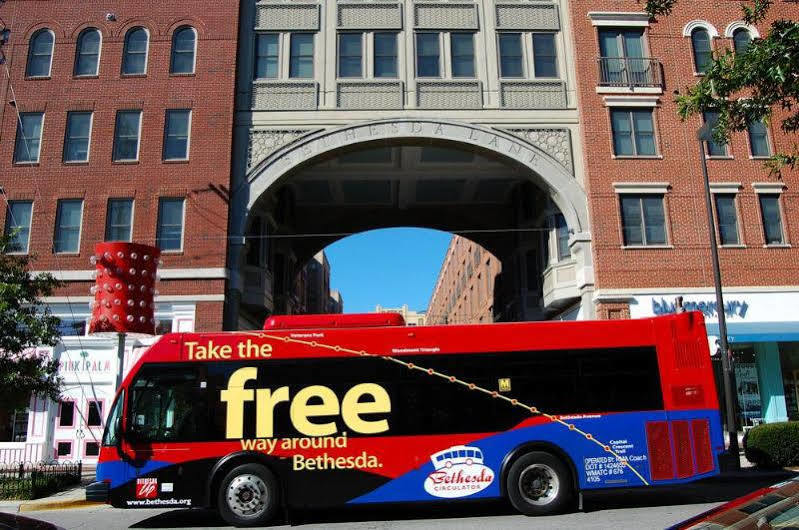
168, 410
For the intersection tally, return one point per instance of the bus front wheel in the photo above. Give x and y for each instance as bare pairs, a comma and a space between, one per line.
539, 483
248, 495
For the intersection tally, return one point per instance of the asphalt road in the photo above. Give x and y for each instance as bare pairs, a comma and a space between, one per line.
617, 509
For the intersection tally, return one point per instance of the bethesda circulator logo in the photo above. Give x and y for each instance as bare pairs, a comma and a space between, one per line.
459, 472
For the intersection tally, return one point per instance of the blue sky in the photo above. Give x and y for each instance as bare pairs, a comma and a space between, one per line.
390, 267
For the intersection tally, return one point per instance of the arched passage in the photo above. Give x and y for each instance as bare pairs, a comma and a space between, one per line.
504, 193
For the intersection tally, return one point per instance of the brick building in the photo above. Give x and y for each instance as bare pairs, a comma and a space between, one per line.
464, 290
124, 133
646, 196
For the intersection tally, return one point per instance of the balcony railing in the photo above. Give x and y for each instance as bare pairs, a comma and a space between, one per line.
630, 72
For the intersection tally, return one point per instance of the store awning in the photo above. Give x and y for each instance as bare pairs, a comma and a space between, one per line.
758, 331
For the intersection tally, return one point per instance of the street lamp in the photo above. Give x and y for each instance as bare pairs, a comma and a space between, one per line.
705, 134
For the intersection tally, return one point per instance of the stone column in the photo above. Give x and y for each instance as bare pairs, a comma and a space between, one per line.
769, 380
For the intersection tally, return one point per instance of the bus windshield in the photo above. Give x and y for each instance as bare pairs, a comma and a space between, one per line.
167, 405
110, 434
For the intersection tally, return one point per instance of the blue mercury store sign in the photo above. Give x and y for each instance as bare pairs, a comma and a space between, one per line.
732, 308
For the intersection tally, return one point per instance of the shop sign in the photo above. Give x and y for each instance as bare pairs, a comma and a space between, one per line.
84, 364
732, 308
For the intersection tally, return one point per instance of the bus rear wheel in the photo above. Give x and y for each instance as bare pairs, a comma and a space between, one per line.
539, 483
248, 495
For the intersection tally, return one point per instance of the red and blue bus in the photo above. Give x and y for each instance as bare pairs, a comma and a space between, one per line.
325, 410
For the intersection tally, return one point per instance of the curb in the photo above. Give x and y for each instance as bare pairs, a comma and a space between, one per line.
66, 504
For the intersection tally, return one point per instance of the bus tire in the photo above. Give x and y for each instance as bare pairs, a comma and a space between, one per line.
248, 495
539, 483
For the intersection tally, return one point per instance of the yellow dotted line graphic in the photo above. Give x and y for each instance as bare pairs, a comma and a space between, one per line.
452, 379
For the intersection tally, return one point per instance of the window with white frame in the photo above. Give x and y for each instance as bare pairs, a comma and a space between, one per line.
184, 47
445, 55
18, 225
134, 53
29, 137
67, 226
77, 137
40, 53
759, 145
177, 131
119, 220
16, 427
87, 53
527, 55
643, 219
727, 219
284, 56
127, 133
169, 232
367, 54
301, 55
771, 215
714, 148
633, 132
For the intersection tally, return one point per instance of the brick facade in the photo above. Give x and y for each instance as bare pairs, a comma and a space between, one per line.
464, 290
685, 260
203, 180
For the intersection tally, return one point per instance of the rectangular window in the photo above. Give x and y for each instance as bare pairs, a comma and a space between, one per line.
633, 132
76, 143
18, 225
385, 45
66, 414
95, 415
562, 234
544, 55
301, 55
462, 50
643, 220
758, 139
169, 236
267, 55
177, 127
67, 225
92, 449
428, 55
29, 137
727, 217
772, 219
713, 148
126, 135
64, 449
350, 55
119, 220
511, 59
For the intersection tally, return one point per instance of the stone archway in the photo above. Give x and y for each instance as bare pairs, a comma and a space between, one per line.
548, 173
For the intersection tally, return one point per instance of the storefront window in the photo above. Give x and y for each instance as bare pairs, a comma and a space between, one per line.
789, 359
13, 426
746, 383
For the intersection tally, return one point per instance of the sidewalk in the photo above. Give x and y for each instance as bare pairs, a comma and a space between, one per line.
74, 497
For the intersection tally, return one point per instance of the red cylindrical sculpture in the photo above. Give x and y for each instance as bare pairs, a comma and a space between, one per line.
124, 290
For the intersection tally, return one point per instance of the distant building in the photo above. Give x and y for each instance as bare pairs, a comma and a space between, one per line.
335, 303
412, 318
464, 291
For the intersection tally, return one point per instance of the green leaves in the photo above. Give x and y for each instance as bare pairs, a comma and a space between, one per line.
751, 86
25, 323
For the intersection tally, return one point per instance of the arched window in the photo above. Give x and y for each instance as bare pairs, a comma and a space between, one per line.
700, 41
134, 56
741, 40
184, 42
40, 53
87, 52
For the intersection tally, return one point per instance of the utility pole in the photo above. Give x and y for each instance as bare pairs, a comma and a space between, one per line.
705, 134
